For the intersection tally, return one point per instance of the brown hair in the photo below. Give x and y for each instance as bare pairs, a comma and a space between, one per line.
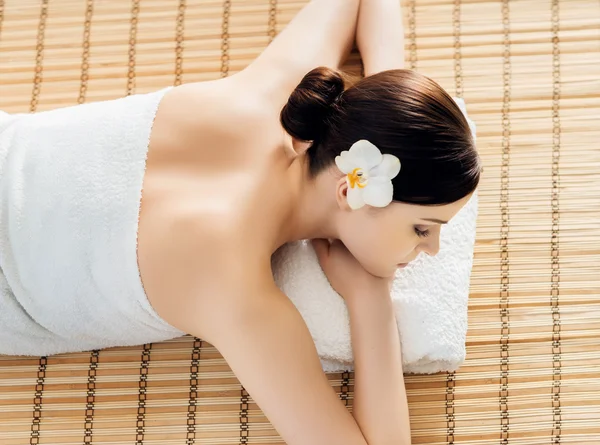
400, 111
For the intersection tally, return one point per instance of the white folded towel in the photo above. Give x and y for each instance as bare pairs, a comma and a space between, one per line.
430, 299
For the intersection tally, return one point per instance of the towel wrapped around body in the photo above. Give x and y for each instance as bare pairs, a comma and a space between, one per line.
70, 193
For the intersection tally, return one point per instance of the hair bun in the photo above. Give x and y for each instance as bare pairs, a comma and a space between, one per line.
308, 107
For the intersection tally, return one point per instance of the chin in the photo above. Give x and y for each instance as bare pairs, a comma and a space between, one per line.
375, 271
383, 272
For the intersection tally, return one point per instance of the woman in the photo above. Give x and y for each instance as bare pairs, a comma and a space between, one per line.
235, 168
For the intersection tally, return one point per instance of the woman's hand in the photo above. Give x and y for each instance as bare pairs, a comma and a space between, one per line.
345, 274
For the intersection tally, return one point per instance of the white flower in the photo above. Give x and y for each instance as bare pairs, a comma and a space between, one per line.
369, 174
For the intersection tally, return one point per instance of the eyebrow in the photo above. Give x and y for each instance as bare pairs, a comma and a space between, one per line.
435, 220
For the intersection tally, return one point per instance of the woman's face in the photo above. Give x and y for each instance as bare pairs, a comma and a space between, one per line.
384, 239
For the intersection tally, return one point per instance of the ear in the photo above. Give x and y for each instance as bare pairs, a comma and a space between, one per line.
341, 193
301, 147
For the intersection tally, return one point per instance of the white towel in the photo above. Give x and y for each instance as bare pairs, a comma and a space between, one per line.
430, 299
70, 189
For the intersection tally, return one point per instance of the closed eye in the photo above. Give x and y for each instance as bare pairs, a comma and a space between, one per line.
421, 233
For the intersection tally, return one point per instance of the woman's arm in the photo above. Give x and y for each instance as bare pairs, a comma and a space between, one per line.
265, 341
321, 34
380, 35
380, 404
267, 344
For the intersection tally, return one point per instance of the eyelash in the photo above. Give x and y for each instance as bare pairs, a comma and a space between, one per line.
422, 233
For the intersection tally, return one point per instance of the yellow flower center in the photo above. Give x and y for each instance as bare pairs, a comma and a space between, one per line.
356, 178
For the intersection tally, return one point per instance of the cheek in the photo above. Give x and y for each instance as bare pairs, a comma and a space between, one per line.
364, 244
397, 244
378, 247
379, 244
406, 241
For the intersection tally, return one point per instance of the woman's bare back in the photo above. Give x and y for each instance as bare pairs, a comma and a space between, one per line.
214, 192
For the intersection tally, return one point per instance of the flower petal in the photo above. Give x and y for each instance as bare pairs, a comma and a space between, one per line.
346, 162
368, 154
378, 192
389, 167
355, 197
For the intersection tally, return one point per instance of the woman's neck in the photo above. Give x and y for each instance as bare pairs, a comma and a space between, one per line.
312, 205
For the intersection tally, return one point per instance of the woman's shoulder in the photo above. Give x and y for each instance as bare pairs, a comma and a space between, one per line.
230, 109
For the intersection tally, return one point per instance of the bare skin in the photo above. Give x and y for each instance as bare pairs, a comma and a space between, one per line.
225, 186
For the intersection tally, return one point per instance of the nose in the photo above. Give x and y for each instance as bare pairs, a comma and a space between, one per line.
431, 245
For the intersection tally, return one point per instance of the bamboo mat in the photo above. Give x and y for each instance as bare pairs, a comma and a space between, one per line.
530, 73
